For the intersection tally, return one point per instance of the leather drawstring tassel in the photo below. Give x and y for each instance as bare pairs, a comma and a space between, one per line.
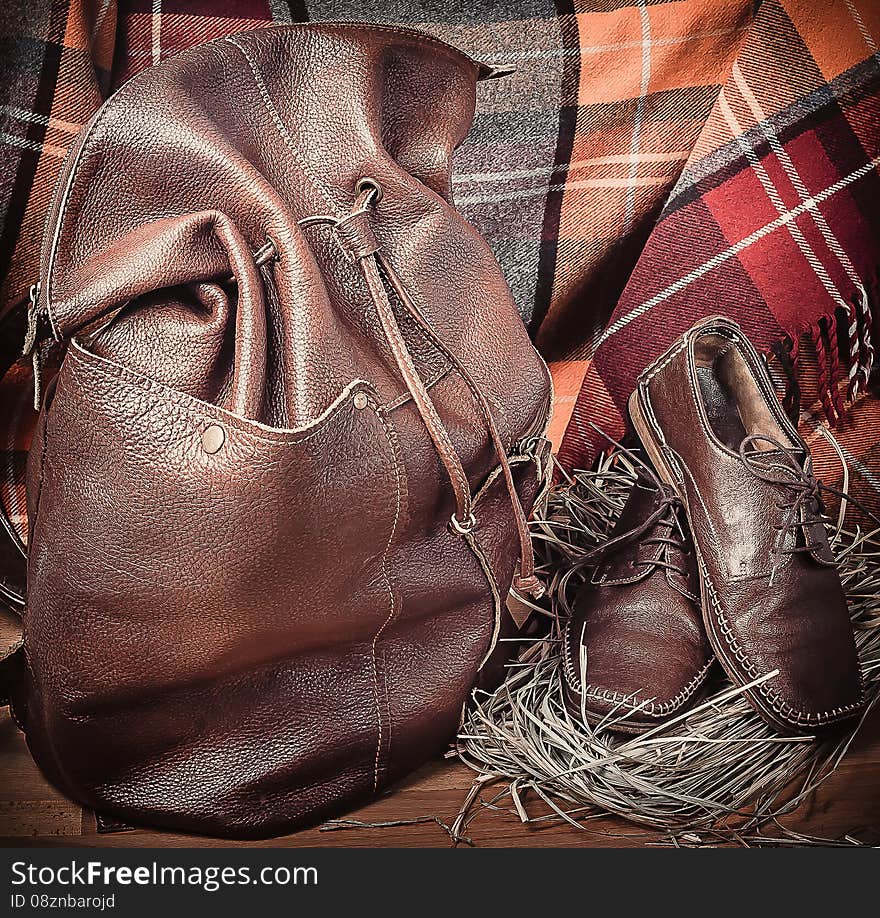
31, 346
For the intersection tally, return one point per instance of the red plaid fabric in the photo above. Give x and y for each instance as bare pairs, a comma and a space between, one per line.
646, 163
640, 81
774, 221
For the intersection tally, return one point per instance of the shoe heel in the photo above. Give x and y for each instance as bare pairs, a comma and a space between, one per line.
649, 441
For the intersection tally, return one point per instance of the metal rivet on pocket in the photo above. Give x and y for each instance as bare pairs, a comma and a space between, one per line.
213, 437
361, 401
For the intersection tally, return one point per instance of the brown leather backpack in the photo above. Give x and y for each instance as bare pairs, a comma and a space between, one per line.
278, 490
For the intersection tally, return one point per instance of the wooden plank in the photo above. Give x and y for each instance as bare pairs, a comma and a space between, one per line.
33, 813
40, 819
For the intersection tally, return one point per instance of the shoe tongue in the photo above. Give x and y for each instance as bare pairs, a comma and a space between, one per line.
622, 562
643, 500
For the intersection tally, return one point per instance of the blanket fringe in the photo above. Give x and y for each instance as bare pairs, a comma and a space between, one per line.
844, 346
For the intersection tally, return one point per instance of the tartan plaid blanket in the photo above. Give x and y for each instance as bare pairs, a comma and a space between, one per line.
774, 221
647, 162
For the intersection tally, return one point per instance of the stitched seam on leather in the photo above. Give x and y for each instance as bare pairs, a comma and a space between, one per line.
391, 435
38, 500
271, 108
387, 702
652, 708
716, 538
786, 711
663, 360
33, 536
726, 453
86, 361
733, 339
483, 561
664, 446
429, 383
62, 213
25, 645
412, 35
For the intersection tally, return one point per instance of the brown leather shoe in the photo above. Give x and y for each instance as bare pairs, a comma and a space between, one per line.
635, 651
710, 420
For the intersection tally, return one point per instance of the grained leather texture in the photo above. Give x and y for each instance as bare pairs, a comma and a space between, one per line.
635, 651
247, 608
772, 597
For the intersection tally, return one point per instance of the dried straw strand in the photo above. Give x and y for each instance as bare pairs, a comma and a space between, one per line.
716, 774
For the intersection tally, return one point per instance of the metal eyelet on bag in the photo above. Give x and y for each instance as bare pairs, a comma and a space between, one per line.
369, 184
463, 528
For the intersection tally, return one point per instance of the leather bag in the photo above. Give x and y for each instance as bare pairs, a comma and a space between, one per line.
278, 489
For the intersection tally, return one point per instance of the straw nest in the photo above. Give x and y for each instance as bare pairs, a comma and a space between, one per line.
715, 774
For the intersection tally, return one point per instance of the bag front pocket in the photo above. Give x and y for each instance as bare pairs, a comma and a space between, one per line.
187, 559
200, 539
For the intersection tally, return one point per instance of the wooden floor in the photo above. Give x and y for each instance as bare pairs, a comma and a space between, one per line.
33, 813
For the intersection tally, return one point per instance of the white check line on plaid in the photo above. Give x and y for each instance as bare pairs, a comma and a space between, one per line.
794, 176
26, 144
732, 251
22, 114
99, 19
862, 469
156, 31
794, 230
852, 459
645, 181
630, 201
614, 159
16, 510
863, 29
513, 56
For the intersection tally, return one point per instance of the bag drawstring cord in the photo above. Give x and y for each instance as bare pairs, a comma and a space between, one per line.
354, 234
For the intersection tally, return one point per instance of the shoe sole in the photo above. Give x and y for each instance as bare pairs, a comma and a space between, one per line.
719, 645
628, 726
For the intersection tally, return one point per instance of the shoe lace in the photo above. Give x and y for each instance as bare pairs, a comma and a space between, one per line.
784, 465
667, 515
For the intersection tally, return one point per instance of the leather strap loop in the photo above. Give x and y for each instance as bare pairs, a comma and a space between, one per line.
525, 580
437, 431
